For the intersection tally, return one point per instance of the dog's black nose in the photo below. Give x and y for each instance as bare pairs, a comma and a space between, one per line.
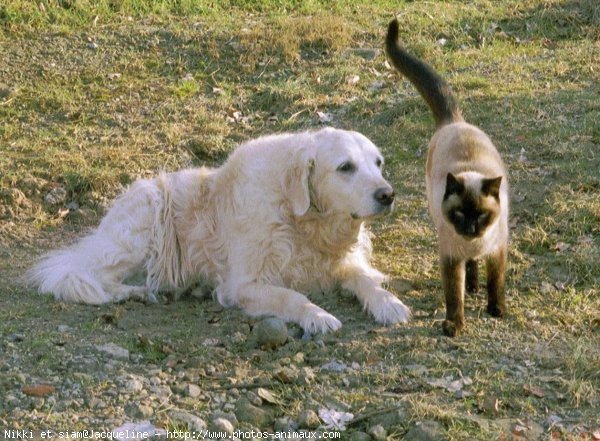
384, 195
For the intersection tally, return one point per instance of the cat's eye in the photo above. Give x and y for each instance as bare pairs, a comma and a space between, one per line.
347, 167
482, 218
459, 215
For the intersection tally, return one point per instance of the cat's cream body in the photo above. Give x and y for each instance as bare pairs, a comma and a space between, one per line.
464, 150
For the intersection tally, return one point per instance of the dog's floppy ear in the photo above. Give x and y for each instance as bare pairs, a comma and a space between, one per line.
295, 184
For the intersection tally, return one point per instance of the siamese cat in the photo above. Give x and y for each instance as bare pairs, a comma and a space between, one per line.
467, 191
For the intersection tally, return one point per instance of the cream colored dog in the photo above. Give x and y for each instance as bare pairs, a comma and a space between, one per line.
285, 214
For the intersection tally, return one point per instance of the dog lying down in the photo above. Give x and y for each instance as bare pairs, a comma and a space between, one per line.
285, 214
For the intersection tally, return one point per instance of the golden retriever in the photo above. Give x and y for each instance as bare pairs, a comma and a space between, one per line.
285, 214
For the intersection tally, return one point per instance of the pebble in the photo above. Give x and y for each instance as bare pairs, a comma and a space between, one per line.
285, 424
391, 419
55, 197
139, 411
271, 333
378, 433
192, 390
222, 425
192, 422
308, 419
133, 385
248, 413
114, 351
254, 399
426, 431
229, 416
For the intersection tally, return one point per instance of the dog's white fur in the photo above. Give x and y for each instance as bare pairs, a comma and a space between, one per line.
277, 218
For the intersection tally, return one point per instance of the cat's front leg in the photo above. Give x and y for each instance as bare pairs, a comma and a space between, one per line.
496, 269
453, 281
472, 282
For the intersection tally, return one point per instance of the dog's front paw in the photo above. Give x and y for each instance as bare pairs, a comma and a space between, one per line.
316, 320
388, 309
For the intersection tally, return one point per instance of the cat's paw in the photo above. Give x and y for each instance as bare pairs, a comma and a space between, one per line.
496, 310
472, 287
387, 308
452, 329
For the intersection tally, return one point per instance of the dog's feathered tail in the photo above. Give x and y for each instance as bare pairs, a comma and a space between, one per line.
63, 273
432, 87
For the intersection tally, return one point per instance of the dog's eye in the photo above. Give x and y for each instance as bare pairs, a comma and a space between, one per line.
378, 162
347, 167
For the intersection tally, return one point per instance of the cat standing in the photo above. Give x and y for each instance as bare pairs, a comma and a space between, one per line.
467, 191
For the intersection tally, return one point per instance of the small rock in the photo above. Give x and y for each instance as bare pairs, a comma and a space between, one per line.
426, 431
271, 333
254, 399
308, 419
222, 425
268, 396
92, 45
286, 375
229, 416
192, 422
285, 424
192, 390
138, 411
133, 385
391, 419
248, 413
378, 433
55, 197
306, 376
334, 366
63, 328
114, 351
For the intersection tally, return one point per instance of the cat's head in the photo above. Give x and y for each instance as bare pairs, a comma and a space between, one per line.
471, 203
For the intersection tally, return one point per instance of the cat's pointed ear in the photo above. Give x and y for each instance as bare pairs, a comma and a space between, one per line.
491, 187
453, 185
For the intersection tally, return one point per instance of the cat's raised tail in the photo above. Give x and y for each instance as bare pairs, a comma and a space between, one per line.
432, 87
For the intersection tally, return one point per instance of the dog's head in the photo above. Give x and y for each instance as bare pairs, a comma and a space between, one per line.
339, 173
